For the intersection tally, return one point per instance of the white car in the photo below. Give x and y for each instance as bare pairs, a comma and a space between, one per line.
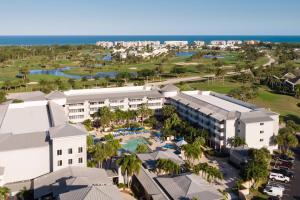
279, 177
274, 191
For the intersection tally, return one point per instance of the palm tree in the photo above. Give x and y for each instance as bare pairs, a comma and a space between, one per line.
167, 166
191, 152
130, 165
22, 194
144, 112
4, 192
286, 139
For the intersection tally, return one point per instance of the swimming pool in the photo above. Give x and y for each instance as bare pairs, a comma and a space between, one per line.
132, 144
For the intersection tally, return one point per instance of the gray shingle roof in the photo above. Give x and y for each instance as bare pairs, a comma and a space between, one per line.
255, 117
187, 186
69, 178
27, 96
22, 141
58, 115
26, 119
105, 192
66, 130
170, 88
149, 159
146, 180
55, 95
120, 95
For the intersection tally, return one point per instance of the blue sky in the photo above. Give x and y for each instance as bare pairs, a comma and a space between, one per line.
150, 17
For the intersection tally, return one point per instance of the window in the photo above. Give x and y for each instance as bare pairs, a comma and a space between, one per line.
59, 152
70, 151
76, 110
76, 117
261, 131
70, 161
79, 160
59, 163
261, 140
79, 149
261, 124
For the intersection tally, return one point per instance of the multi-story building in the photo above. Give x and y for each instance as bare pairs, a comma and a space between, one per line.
218, 42
225, 117
234, 42
199, 43
80, 104
36, 139
176, 43
105, 44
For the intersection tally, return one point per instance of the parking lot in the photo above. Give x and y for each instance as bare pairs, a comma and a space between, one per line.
292, 189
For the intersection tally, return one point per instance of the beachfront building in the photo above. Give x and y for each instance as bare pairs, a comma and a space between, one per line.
218, 42
225, 117
80, 104
176, 43
36, 139
105, 44
234, 42
128, 44
199, 43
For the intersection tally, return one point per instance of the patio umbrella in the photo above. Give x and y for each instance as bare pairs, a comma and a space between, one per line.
181, 142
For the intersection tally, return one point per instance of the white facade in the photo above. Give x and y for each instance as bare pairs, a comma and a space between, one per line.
68, 151
80, 104
29, 154
24, 164
226, 118
176, 43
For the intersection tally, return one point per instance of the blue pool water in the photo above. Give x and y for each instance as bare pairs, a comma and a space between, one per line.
132, 144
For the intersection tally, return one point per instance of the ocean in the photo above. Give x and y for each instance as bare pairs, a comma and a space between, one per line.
75, 40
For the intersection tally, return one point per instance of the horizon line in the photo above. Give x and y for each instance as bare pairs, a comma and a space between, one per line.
12, 35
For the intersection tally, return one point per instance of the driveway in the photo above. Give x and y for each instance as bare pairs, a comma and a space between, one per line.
292, 190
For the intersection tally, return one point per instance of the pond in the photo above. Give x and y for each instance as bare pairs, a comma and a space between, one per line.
185, 53
60, 73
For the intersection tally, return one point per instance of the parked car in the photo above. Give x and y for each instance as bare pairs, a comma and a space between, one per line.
284, 157
274, 191
279, 177
284, 172
274, 184
281, 164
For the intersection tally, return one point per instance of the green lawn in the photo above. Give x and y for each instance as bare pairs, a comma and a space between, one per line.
216, 86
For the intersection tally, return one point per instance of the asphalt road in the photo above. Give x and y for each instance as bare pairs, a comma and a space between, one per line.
292, 189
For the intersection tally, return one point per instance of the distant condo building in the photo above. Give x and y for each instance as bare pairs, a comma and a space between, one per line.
128, 44
105, 44
218, 42
252, 42
176, 43
199, 43
234, 42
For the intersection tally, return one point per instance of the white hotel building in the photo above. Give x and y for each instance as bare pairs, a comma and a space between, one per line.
36, 139
37, 135
223, 116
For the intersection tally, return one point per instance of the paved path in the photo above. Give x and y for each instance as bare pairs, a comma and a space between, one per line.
270, 62
178, 80
292, 189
